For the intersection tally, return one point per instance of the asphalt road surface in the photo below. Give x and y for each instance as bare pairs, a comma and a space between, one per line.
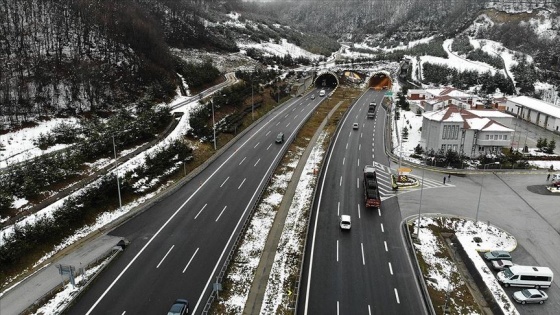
517, 203
178, 245
365, 270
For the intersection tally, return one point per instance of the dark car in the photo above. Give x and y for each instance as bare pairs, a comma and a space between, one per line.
497, 255
280, 138
180, 307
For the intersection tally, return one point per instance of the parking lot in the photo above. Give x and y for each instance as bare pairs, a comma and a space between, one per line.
517, 203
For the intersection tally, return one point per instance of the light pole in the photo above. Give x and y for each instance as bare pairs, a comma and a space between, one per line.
479, 196
420, 206
117, 172
252, 101
213, 125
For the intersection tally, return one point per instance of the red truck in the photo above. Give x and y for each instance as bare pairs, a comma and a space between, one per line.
371, 189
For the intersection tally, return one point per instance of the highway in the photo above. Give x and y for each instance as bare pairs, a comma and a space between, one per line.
178, 245
365, 270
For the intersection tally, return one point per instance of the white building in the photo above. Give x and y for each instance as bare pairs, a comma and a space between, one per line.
461, 130
535, 111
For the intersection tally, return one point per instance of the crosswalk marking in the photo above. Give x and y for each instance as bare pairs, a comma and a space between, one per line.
385, 182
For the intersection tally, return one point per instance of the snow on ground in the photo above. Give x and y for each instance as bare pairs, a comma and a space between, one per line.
279, 49
181, 129
291, 241
497, 49
61, 300
249, 253
18, 145
455, 61
405, 147
440, 270
246, 261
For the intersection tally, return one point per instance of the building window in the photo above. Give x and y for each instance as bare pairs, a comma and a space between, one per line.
443, 147
487, 137
455, 147
505, 137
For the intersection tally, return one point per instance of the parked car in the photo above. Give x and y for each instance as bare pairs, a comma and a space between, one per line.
497, 255
530, 296
555, 177
355, 126
345, 222
501, 264
180, 307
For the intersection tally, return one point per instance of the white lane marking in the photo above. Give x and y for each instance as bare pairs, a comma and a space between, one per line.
358, 183
123, 313
256, 145
379, 211
369, 309
359, 214
361, 134
363, 125
302, 109
278, 123
336, 250
287, 125
386, 248
337, 307
372, 150
269, 146
350, 134
359, 147
242, 161
363, 257
390, 268
347, 146
293, 109
257, 162
358, 162
314, 234
340, 184
241, 183
165, 256
268, 132
295, 116
397, 296
190, 260
286, 115
343, 160
119, 276
338, 210
356, 116
382, 229
200, 211
224, 182
373, 156
224, 209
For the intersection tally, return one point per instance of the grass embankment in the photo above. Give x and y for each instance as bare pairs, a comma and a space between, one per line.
240, 287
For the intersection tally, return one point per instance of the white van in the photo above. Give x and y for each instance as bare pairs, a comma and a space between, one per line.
322, 93
526, 276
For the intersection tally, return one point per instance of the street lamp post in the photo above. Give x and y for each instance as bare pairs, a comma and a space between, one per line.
117, 172
479, 196
213, 125
252, 101
420, 206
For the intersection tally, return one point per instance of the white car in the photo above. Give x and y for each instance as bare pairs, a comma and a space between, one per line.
530, 296
355, 126
345, 222
501, 264
322, 93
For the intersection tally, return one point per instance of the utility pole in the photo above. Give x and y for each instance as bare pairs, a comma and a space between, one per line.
117, 172
213, 125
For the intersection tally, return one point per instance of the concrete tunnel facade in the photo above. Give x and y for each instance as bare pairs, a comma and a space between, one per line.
326, 79
380, 80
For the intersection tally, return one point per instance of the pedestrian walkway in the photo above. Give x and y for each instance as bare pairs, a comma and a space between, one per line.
41, 283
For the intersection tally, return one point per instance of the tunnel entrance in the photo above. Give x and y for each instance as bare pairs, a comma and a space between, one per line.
380, 81
326, 80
